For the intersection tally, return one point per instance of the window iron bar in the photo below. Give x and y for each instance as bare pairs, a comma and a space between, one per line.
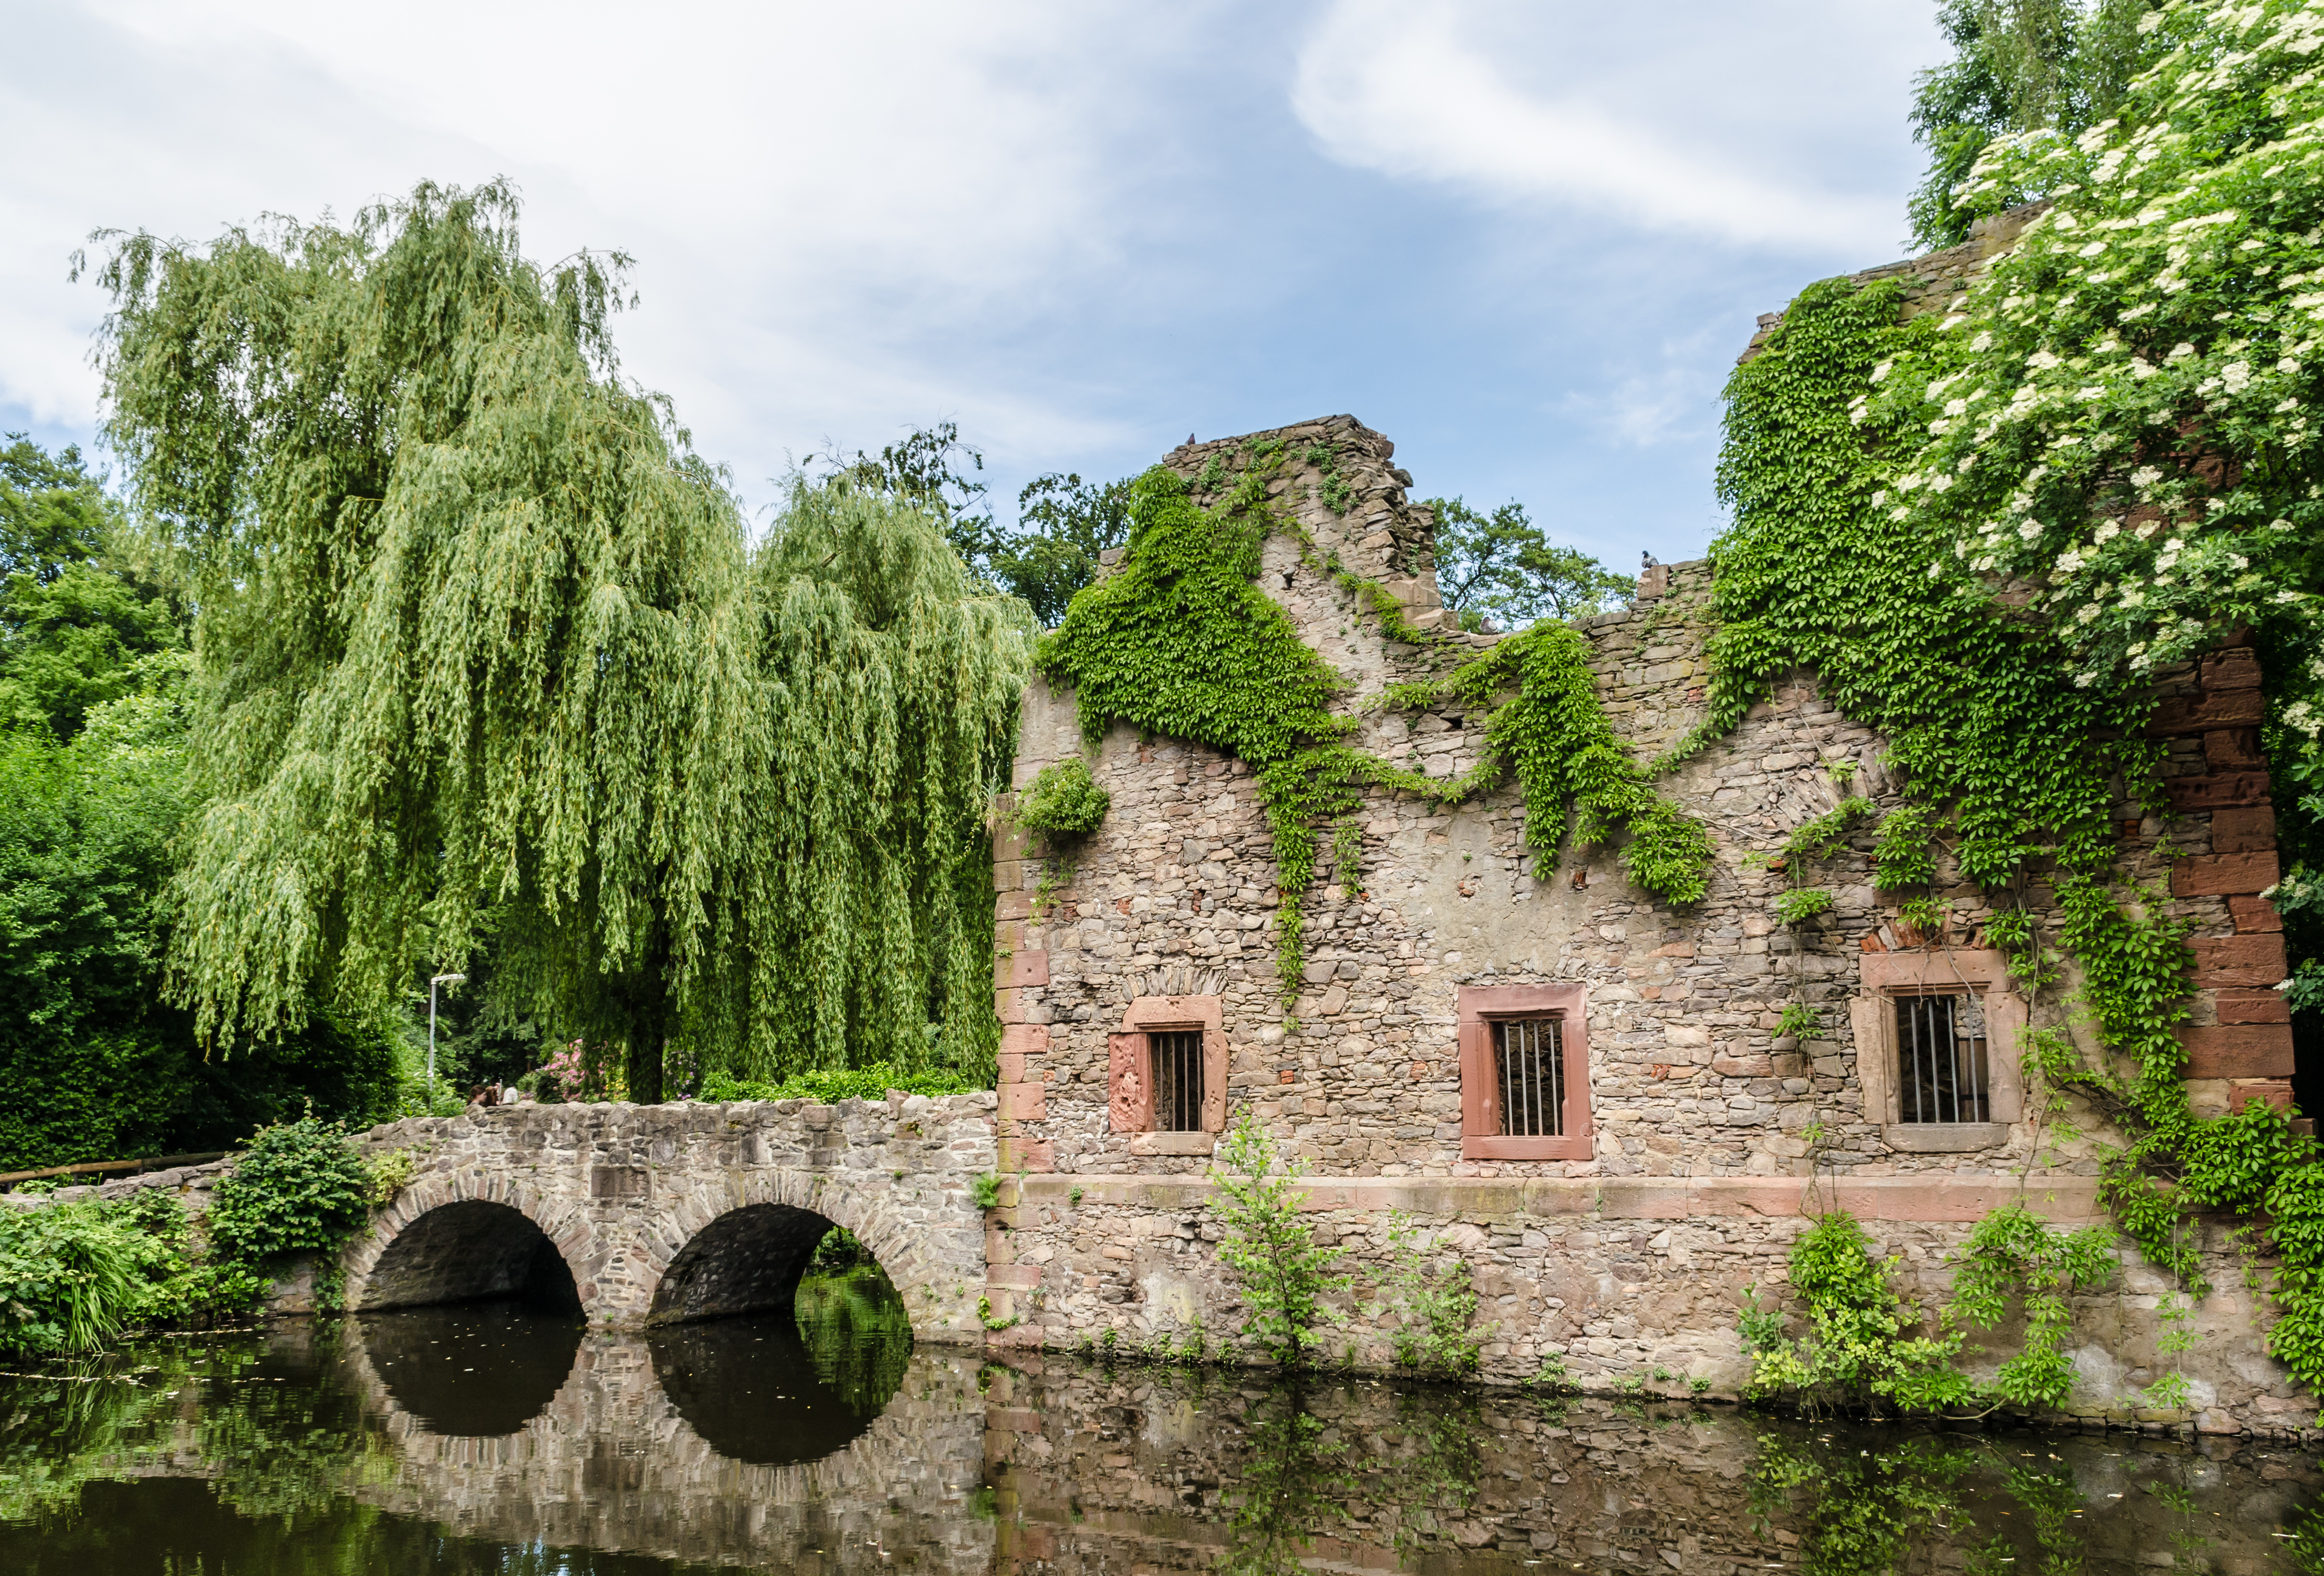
1177, 1058
1529, 1076
1941, 1060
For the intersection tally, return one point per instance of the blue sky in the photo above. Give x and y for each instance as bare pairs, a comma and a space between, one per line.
1523, 240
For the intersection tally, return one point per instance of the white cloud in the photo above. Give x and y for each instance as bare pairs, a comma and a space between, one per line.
817, 195
1673, 121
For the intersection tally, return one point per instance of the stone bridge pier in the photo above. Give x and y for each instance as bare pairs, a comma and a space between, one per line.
651, 1214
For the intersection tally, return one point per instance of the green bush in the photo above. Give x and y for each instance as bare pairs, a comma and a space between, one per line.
1271, 1248
1435, 1305
832, 1086
1063, 801
1856, 1353
69, 1277
302, 1188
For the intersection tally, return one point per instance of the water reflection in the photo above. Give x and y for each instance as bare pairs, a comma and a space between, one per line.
824, 1448
779, 1389
480, 1370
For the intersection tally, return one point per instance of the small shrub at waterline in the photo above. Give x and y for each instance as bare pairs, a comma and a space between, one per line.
1285, 1274
1063, 800
1856, 1354
1434, 1303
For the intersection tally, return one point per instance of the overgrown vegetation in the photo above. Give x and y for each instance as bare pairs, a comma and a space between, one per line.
715, 806
1988, 529
1284, 1275
1432, 1298
1063, 801
1180, 642
74, 1276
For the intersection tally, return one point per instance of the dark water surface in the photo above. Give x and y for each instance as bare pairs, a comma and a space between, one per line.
503, 1441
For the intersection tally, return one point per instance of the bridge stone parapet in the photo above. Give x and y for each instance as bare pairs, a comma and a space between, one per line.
663, 1214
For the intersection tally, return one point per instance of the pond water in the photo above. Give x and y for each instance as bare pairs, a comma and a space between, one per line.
511, 1441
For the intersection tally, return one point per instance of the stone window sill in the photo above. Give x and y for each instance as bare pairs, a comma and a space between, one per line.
1173, 1143
1944, 1138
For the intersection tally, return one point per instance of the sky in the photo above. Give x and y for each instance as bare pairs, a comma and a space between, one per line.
1525, 240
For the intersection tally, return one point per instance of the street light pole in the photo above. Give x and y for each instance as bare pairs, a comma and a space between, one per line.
439, 980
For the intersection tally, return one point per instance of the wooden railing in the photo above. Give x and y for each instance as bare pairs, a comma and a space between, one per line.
88, 1167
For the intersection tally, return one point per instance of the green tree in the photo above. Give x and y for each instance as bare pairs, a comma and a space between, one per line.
77, 628
1071, 521
2017, 66
1501, 565
96, 1065
485, 648
929, 468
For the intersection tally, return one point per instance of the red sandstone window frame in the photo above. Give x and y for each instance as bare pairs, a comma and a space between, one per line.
1479, 1007
1130, 1085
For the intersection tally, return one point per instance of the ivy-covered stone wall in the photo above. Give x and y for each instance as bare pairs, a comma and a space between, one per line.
1599, 1264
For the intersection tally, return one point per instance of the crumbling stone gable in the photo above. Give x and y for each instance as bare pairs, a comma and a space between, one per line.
1697, 1178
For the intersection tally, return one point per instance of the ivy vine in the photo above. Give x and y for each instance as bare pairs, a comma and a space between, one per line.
1180, 642
1988, 529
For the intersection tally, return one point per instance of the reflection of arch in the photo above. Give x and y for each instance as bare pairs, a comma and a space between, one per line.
465, 1251
565, 1479
472, 1372
751, 1391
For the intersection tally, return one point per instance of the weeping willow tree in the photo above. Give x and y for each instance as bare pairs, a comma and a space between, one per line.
483, 647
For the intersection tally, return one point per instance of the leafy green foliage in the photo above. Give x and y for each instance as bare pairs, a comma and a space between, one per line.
2018, 65
486, 650
299, 1188
1503, 566
69, 1277
1180, 642
1856, 1353
829, 1085
80, 625
2012, 1255
1071, 521
1798, 904
1285, 1274
73, 1277
1817, 572
1063, 800
1433, 1299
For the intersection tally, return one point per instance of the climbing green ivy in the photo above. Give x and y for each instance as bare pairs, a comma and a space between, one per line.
1180, 642
1987, 531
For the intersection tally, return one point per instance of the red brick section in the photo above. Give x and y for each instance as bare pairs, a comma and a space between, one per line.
2250, 1042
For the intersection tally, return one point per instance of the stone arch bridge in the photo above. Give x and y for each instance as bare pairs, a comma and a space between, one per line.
650, 1215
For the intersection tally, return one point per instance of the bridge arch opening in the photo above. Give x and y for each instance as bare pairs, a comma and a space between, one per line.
749, 1260
469, 1251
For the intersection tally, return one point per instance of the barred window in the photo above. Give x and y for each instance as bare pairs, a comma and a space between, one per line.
1529, 1077
1941, 1059
1178, 1062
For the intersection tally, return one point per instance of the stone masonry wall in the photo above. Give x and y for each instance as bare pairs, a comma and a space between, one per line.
1700, 1174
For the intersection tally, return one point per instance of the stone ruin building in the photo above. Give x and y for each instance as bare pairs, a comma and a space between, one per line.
1580, 1088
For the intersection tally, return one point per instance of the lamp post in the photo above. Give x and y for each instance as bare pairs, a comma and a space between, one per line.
439, 980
